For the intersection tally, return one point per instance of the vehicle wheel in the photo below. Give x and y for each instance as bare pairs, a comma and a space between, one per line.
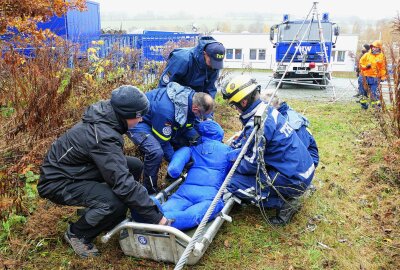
276, 84
324, 83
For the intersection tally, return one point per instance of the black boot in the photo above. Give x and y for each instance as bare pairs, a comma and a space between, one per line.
286, 213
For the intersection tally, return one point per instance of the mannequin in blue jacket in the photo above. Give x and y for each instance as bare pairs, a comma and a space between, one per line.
197, 67
298, 122
187, 206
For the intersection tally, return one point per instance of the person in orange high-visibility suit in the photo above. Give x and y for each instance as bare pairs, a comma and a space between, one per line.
373, 69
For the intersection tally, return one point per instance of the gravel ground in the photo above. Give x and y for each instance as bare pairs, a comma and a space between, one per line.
343, 89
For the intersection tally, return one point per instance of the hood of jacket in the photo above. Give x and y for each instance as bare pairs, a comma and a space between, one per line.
181, 97
283, 108
102, 112
296, 120
211, 130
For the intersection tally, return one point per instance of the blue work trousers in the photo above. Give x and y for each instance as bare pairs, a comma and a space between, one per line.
154, 151
245, 187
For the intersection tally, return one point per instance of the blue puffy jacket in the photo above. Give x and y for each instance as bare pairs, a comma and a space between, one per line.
300, 123
211, 164
187, 67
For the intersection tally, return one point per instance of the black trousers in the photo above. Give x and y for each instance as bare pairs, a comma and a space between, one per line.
104, 210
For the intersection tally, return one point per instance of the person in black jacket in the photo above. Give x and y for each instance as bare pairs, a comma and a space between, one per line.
86, 167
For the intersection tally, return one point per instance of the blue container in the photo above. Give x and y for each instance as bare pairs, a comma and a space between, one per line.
81, 27
153, 42
150, 42
75, 26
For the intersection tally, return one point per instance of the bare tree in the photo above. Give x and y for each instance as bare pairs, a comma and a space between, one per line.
357, 27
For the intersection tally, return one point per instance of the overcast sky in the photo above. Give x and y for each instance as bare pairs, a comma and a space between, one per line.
365, 9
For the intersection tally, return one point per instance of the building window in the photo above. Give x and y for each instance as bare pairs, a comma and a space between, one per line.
261, 54
333, 56
229, 54
238, 53
253, 54
341, 56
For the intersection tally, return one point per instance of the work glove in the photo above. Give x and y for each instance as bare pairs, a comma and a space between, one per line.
195, 140
170, 179
188, 165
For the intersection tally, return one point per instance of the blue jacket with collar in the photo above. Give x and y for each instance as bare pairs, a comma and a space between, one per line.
166, 117
187, 67
284, 152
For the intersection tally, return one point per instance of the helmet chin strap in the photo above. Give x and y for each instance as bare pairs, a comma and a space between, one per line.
252, 97
239, 106
250, 100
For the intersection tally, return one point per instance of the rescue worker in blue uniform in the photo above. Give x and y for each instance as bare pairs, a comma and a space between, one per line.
173, 111
197, 67
288, 163
298, 122
188, 205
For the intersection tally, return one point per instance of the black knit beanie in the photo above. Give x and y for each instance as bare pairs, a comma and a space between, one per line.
366, 47
129, 102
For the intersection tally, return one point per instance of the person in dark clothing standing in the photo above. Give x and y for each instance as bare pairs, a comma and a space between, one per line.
86, 167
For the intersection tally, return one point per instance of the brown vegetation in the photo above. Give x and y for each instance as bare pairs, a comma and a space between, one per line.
24, 14
43, 96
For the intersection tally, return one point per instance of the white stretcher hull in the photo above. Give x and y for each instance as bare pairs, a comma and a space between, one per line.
164, 243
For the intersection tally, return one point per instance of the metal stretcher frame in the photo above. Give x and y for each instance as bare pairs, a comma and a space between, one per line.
164, 243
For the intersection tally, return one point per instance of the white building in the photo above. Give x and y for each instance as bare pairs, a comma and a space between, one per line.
343, 55
247, 50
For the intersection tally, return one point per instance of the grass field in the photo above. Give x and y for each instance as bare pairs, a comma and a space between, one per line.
350, 222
